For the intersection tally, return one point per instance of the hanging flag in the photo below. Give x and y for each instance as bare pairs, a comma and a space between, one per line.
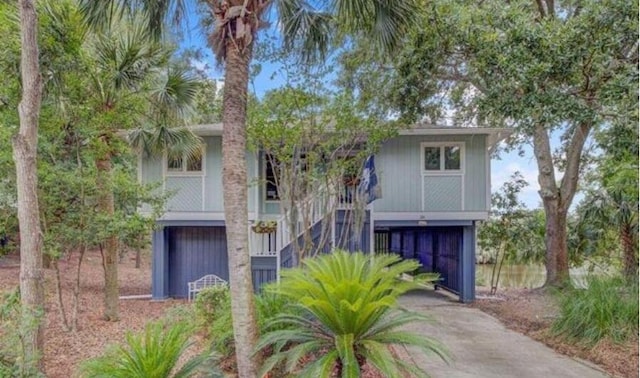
368, 188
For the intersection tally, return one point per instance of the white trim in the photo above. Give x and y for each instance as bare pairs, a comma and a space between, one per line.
257, 185
441, 215
198, 216
442, 172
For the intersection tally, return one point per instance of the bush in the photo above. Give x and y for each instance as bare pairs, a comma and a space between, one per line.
213, 311
349, 317
154, 353
13, 328
607, 308
210, 301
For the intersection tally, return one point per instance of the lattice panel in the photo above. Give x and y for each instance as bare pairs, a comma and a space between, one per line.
442, 193
188, 193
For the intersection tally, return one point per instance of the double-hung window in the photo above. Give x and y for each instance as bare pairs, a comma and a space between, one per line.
442, 157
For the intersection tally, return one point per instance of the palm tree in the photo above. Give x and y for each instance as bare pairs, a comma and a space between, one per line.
309, 31
612, 207
130, 66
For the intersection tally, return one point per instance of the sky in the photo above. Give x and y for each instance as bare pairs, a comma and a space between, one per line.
501, 168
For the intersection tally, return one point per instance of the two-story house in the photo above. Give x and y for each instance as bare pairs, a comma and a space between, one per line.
435, 185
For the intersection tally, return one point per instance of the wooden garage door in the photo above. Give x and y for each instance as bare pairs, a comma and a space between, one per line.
193, 253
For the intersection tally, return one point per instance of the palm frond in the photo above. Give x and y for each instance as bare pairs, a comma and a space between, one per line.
173, 94
305, 29
350, 303
100, 14
154, 141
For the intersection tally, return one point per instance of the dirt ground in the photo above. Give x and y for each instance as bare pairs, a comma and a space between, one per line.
531, 312
527, 311
65, 350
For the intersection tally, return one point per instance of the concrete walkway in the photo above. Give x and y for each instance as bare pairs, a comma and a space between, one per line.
481, 346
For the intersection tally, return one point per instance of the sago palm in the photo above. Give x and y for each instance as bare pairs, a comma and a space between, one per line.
307, 30
153, 354
350, 317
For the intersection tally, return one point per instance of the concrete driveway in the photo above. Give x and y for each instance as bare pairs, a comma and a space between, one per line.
481, 346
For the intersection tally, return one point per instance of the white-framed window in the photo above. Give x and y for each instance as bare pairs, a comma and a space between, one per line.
445, 157
181, 165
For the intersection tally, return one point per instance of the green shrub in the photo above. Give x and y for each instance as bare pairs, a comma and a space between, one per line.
214, 312
220, 330
209, 302
154, 353
349, 317
607, 308
13, 328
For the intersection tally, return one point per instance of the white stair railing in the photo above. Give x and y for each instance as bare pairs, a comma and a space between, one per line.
315, 207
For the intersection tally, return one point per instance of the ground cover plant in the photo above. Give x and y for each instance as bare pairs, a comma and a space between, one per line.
349, 317
607, 308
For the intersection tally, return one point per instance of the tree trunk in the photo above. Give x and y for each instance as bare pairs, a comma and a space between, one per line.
234, 180
25, 147
106, 205
557, 257
630, 253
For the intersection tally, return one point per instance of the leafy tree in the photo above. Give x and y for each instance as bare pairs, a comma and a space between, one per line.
551, 70
507, 232
235, 27
611, 203
313, 143
350, 317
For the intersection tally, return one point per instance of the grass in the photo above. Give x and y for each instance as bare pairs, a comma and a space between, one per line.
607, 308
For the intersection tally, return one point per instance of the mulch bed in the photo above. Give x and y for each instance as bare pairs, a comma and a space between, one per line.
64, 351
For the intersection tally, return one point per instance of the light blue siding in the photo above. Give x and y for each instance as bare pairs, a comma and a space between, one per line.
213, 179
399, 168
188, 189
475, 188
151, 169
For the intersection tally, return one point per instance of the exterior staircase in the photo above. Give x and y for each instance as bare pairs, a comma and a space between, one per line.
272, 244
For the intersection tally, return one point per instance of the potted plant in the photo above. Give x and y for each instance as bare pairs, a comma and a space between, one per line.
264, 227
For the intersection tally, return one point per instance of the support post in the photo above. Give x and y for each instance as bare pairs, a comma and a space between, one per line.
160, 268
468, 264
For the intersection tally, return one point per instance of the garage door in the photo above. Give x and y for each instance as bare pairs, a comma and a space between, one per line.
193, 253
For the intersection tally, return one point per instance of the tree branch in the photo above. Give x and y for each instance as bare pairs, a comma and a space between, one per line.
546, 173
572, 169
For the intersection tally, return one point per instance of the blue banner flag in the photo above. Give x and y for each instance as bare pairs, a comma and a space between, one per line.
368, 187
